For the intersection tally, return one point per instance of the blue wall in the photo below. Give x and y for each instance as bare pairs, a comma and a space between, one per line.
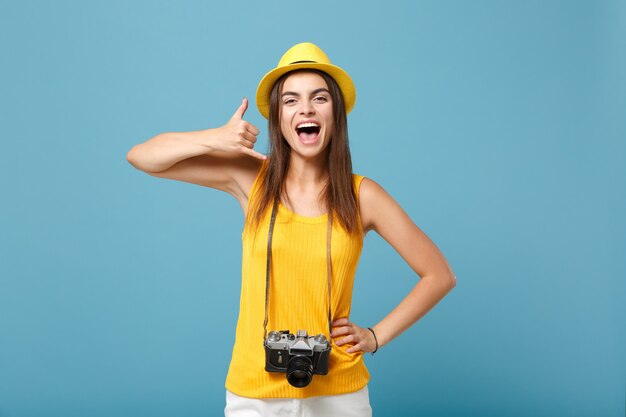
499, 126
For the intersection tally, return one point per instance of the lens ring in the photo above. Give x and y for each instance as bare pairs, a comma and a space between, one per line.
299, 371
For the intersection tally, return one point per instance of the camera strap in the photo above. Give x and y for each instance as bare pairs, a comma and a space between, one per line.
329, 269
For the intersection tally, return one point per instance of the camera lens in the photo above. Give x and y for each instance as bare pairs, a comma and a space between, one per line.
299, 371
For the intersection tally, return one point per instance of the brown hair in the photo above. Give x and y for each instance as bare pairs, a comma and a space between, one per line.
338, 193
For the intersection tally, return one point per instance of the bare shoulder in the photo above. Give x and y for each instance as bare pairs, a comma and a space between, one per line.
375, 204
369, 191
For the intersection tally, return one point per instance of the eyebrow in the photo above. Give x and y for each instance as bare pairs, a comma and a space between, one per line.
319, 90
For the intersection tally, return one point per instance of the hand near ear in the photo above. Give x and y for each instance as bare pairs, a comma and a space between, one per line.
239, 136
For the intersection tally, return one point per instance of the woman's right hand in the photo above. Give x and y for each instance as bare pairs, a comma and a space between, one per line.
200, 156
238, 136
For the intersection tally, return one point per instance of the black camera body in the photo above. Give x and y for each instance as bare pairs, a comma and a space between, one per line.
299, 356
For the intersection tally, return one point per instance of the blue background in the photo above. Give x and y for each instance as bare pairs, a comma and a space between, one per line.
498, 126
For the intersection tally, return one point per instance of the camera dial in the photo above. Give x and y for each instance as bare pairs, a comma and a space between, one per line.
274, 336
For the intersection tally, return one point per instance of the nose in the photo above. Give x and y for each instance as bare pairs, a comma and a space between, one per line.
307, 107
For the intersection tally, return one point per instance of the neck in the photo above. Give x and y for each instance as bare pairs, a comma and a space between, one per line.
307, 171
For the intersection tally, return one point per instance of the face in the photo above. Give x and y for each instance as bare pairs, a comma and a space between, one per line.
306, 114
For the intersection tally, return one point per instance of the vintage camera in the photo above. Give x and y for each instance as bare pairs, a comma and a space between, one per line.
299, 355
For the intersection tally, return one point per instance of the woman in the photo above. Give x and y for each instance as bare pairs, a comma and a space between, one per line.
306, 214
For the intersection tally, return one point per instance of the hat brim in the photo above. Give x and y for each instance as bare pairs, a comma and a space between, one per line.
339, 75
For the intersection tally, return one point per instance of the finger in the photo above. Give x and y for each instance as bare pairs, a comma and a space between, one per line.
341, 322
340, 331
345, 340
252, 129
354, 349
340, 342
249, 137
246, 144
241, 110
254, 153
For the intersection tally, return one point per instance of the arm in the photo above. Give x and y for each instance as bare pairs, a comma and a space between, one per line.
381, 213
217, 158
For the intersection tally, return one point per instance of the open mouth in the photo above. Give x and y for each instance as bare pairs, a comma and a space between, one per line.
308, 132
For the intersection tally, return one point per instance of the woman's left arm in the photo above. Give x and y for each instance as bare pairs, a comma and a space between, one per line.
381, 213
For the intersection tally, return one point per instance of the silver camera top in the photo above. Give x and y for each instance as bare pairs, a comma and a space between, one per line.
299, 344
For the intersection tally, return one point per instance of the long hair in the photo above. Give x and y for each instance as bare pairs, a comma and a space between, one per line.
338, 193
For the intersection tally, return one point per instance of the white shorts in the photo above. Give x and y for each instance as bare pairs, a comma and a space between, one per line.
355, 404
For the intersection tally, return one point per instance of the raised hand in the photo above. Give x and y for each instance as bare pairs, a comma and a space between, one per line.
239, 136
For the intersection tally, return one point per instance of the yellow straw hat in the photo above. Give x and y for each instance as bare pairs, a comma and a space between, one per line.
304, 56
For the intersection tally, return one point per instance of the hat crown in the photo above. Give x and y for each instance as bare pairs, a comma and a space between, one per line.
303, 52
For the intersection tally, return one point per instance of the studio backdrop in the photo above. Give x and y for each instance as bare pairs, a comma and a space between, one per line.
497, 125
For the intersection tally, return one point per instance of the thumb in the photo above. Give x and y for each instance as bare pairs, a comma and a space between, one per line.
241, 110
